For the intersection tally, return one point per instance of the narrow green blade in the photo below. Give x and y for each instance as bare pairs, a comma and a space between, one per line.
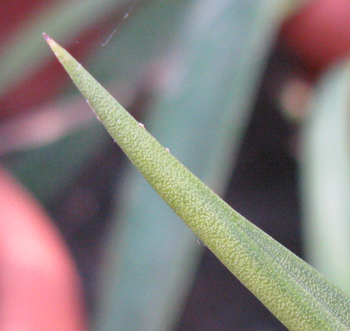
151, 263
300, 297
326, 177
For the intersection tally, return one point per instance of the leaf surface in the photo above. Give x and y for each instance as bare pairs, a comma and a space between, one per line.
300, 297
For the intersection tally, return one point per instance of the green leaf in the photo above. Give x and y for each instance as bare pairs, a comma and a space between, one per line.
326, 177
300, 297
150, 265
64, 158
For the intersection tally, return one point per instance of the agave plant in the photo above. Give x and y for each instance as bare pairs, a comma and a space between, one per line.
300, 297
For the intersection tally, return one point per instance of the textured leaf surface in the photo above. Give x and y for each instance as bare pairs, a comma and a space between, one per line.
151, 263
300, 297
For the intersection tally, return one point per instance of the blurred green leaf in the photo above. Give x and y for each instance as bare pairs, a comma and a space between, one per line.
143, 38
47, 170
26, 52
326, 177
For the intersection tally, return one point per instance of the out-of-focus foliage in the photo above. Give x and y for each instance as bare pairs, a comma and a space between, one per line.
326, 177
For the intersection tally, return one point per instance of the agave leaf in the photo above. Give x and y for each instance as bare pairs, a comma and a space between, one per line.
216, 111
148, 293
300, 297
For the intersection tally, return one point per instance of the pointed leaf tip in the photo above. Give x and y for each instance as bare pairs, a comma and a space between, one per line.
46, 36
299, 296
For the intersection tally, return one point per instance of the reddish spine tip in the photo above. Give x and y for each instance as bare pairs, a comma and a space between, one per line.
46, 36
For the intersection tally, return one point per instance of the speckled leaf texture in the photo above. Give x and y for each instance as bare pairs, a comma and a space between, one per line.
300, 297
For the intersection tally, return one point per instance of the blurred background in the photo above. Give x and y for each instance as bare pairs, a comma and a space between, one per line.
252, 96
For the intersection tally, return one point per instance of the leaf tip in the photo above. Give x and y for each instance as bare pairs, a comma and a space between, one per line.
47, 37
